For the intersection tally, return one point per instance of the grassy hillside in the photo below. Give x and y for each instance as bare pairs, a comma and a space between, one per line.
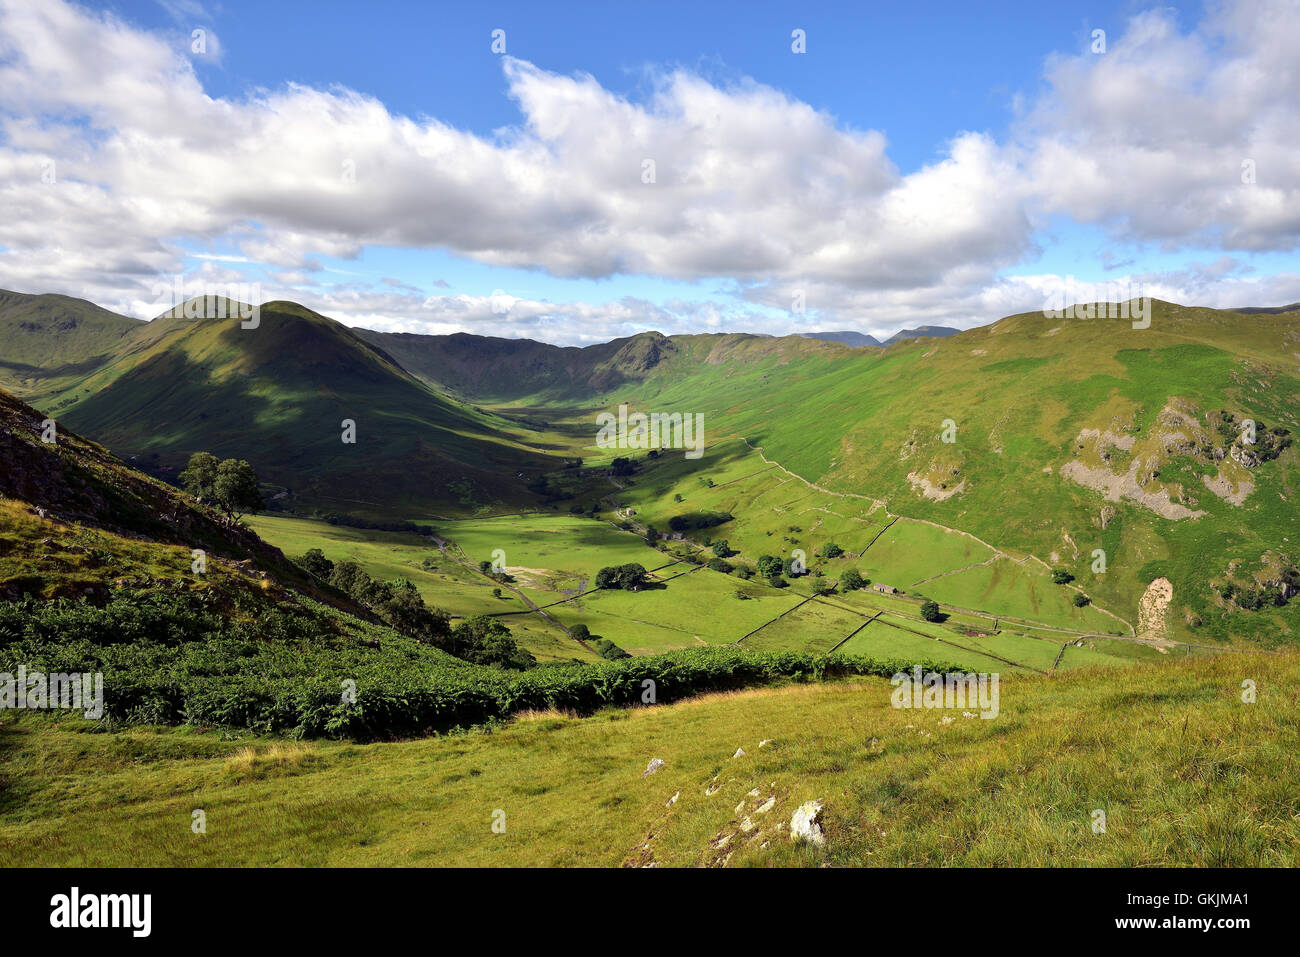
75, 521
1185, 772
1069, 436
51, 340
278, 395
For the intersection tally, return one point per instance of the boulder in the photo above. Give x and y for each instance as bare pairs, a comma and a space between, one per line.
806, 823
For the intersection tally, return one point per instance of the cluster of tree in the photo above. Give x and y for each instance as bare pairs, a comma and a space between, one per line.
351, 521
487, 569
622, 467
630, 577
1274, 594
486, 641
604, 647
482, 640
229, 485
773, 568
694, 520
542, 487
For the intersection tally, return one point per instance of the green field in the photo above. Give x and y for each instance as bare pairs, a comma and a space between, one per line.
813, 626
554, 558
1186, 773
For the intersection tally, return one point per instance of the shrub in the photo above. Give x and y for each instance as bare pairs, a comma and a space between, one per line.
608, 650
316, 564
1081, 600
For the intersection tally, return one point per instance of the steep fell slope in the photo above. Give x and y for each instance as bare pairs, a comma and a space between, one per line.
286, 396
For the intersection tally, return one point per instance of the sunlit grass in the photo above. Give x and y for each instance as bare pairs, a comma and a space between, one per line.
1185, 771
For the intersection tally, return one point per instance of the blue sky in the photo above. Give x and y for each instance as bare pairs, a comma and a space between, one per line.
916, 71
953, 160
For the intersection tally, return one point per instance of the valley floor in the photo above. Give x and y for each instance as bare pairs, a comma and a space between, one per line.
1185, 771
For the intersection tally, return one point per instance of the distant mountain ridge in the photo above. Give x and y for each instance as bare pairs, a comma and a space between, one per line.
922, 332
847, 337
1268, 310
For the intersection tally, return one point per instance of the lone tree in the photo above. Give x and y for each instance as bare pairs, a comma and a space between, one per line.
229, 485
236, 490
930, 611
851, 580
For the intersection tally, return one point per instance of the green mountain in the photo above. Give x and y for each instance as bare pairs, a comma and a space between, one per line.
279, 395
492, 369
1067, 436
50, 340
848, 338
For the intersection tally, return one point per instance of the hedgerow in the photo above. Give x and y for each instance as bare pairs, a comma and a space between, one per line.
167, 659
